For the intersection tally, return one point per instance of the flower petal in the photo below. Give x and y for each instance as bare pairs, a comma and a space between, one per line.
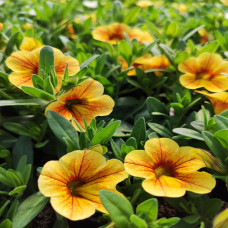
60, 108
20, 79
218, 100
189, 66
161, 148
139, 163
189, 81
53, 179
23, 61
73, 208
164, 186
221, 220
81, 164
29, 44
218, 83
62, 60
198, 182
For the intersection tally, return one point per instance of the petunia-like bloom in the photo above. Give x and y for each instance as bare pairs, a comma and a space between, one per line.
169, 170
218, 100
181, 7
205, 71
74, 182
205, 36
225, 2
29, 44
114, 32
26, 63
147, 62
1, 26
221, 220
144, 3
85, 100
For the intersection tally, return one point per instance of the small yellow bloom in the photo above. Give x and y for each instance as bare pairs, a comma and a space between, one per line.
28, 26
29, 44
218, 100
147, 62
114, 32
205, 71
86, 100
169, 170
74, 182
144, 3
181, 7
26, 63
221, 220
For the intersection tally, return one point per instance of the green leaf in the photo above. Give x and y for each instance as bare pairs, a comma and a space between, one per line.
168, 52
23, 147
37, 81
6, 224
155, 31
101, 63
80, 73
3, 207
103, 136
17, 190
12, 210
168, 222
88, 61
191, 219
48, 87
161, 130
118, 207
5, 180
12, 41
37, 93
154, 105
139, 131
188, 133
221, 121
46, 61
192, 32
139, 222
29, 209
222, 41
131, 16
210, 212
214, 145
18, 129
148, 210
125, 51
222, 136
132, 142
211, 47
63, 129
115, 149
18, 102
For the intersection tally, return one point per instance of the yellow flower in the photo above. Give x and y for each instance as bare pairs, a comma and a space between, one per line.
169, 170
147, 62
144, 3
26, 63
205, 71
114, 32
74, 182
181, 7
221, 220
28, 26
29, 44
86, 100
225, 2
218, 100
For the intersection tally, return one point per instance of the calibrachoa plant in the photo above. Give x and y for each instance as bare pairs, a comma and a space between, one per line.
113, 114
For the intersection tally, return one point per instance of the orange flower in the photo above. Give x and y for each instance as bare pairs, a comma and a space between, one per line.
205, 71
86, 100
29, 44
114, 32
218, 100
147, 62
1, 26
221, 220
71, 32
74, 182
169, 170
26, 63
